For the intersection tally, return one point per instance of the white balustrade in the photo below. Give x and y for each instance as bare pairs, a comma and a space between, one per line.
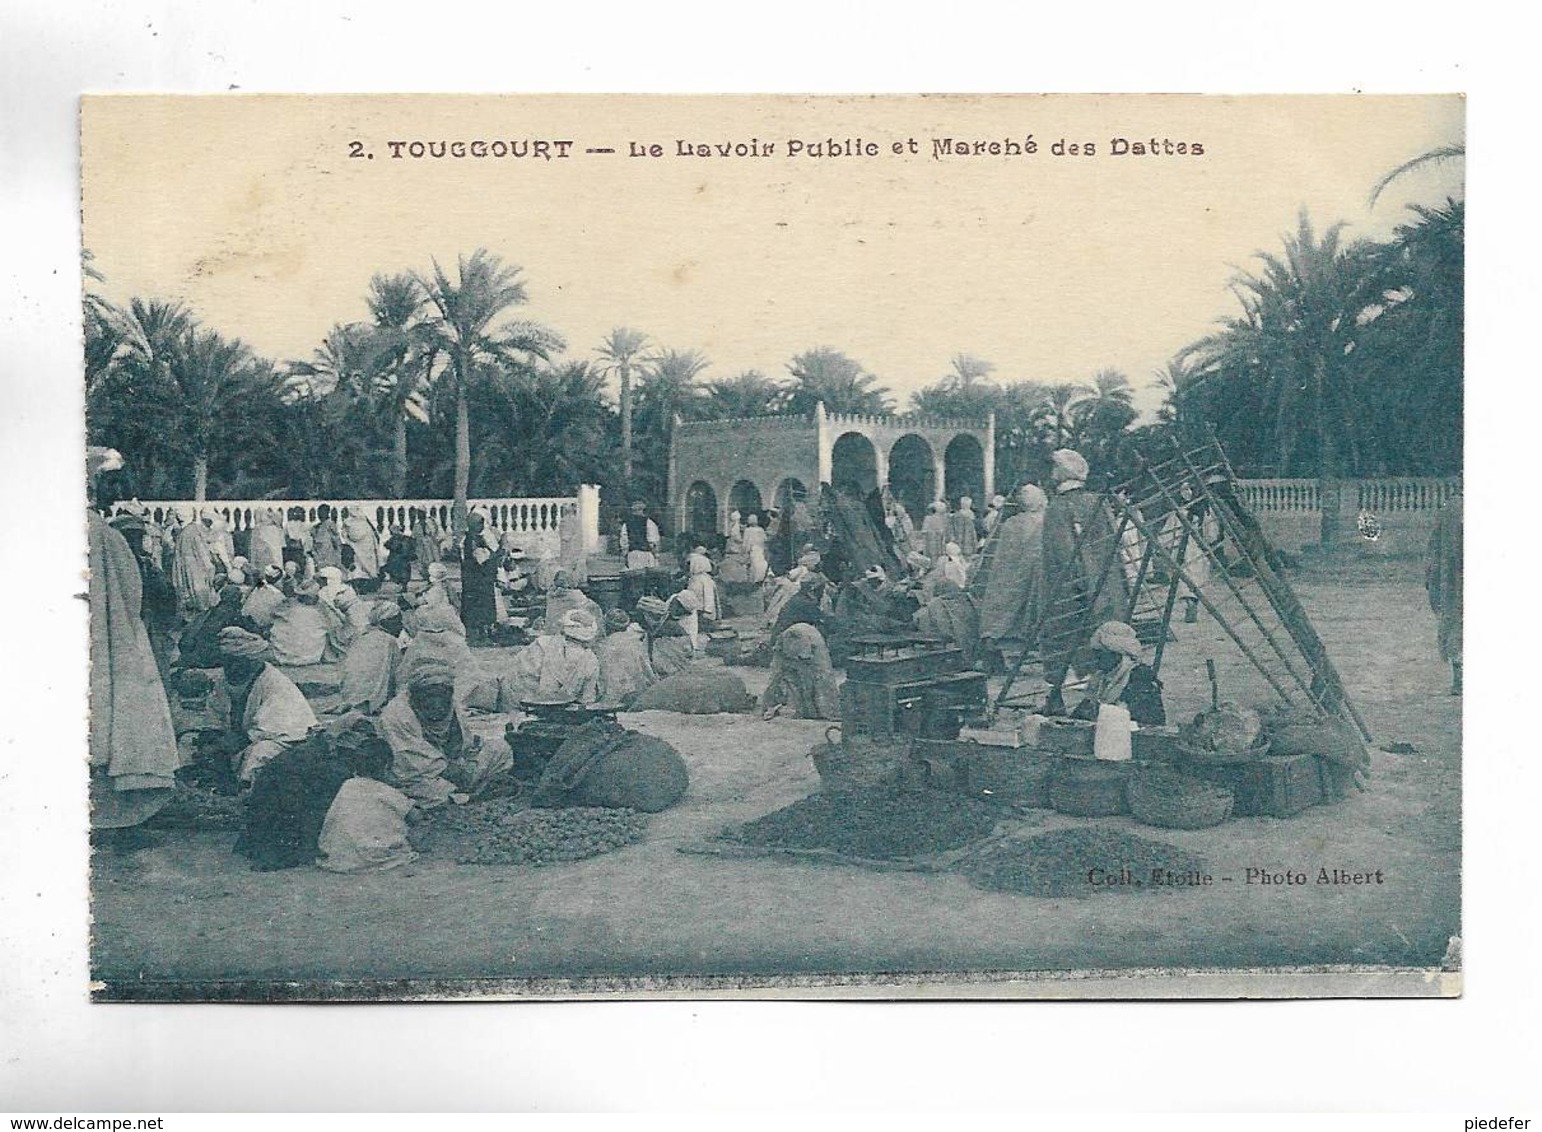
537, 520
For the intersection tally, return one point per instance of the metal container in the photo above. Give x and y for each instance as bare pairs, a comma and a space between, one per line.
935, 708
904, 666
606, 589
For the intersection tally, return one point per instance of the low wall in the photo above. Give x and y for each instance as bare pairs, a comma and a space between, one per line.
539, 522
1291, 512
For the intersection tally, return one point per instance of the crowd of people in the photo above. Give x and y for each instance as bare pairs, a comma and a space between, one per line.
1022, 575
201, 647
222, 662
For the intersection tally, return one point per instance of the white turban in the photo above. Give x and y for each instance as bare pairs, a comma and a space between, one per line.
1032, 497
235, 642
578, 625
1117, 637
1070, 464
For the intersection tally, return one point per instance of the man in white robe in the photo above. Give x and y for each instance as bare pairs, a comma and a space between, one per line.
434, 757
268, 713
557, 666
359, 534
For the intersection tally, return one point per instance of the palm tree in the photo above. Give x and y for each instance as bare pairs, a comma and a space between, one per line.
1408, 361
829, 376
1175, 379
340, 364
1300, 321
749, 394
211, 376
668, 388
1112, 387
621, 348
394, 304
549, 429
102, 323
1440, 155
967, 370
154, 331
461, 328
1057, 413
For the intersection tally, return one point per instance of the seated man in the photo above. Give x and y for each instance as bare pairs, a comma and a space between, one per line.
301, 627
671, 627
554, 667
440, 636
625, 668
265, 599
1119, 677
372, 669
864, 608
267, 712
804, 606
564, 596
199, 646
951, 616
802, 683
365, 829
434, 759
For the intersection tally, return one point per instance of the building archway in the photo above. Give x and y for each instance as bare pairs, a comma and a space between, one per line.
854, 464
964, 469
913, 474
745, 499
790, 491
701, 509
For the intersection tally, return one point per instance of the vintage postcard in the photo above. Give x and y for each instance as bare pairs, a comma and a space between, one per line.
956, 546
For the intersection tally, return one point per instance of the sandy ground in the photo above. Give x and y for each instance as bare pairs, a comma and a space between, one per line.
190, 910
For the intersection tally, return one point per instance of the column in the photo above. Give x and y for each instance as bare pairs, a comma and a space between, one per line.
990, 456
822, 440
589, 517
939, 474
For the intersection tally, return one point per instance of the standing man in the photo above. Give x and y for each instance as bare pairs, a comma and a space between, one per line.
192, 568
962, 528
1443, 581
640, 539
133, 746
1078, 542
326, 543
478, 581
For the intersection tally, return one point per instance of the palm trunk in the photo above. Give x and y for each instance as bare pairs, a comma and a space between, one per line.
462, 456
399, 458
200, 478
626, 426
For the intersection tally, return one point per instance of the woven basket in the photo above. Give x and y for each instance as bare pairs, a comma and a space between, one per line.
1066, 736
1089, 789
1207, 757
1171, 801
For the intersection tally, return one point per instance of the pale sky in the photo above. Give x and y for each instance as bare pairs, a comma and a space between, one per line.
1052, 267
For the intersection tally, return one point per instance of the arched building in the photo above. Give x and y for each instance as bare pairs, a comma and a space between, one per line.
751, 463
